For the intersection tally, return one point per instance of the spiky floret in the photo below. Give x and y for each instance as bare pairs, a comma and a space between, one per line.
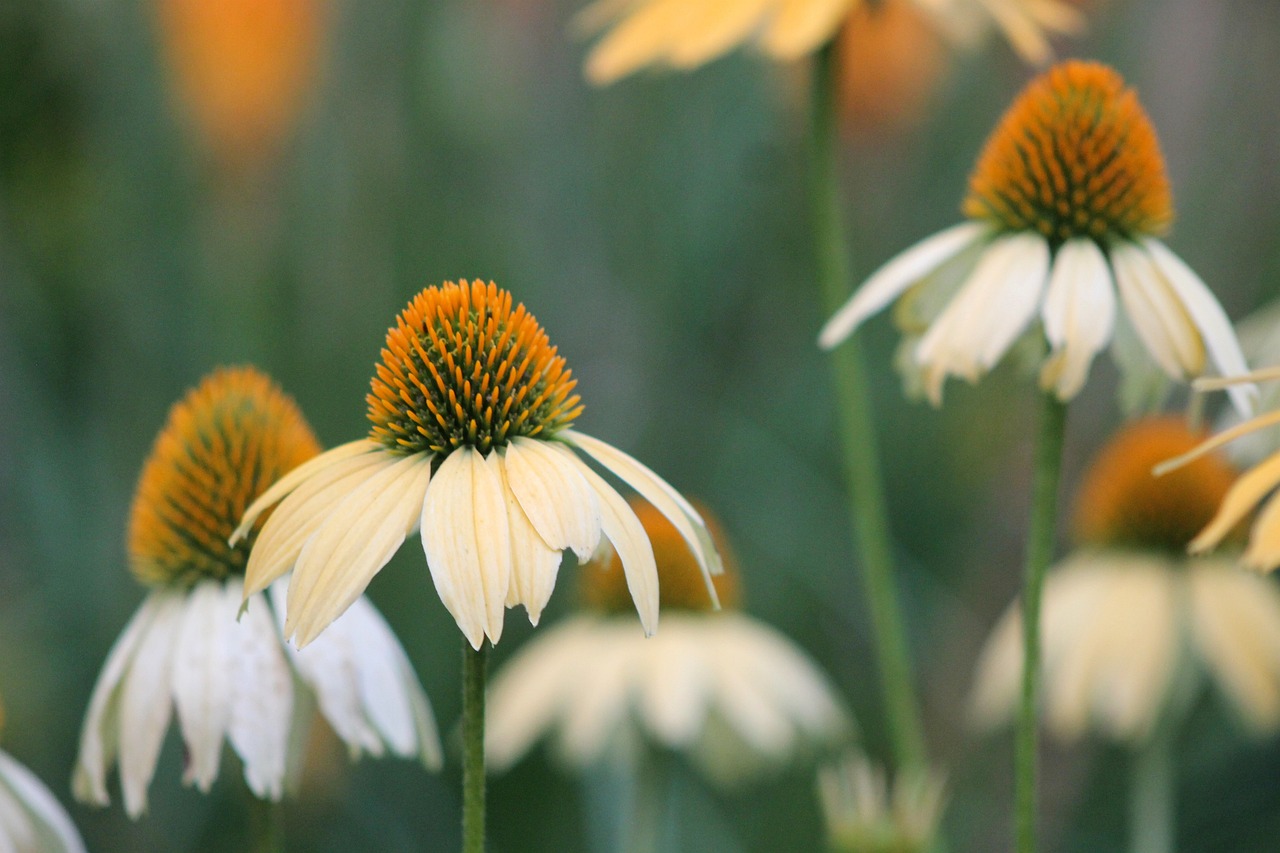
680, 581
1075, 156
223, 444
1121, 502
461, 368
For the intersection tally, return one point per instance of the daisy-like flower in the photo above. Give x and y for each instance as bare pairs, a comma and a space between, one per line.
1128, 613
31, 818
732, 693
1065, 209
471, 445
865, 815
183, 650
684, 34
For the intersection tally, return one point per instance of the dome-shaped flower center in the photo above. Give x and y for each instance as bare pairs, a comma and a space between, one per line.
680, 581
463, 368
1121, 503
222, 446
1075, 156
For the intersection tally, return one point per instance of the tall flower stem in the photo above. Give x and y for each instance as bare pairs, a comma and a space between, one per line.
1151, 799
267, 824
474, 663
649, 799
1040, 538
857, 432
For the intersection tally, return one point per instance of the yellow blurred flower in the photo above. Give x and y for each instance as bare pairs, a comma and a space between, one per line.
865, 815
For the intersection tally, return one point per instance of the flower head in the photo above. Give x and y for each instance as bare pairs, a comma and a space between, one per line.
865, 815
684, 34
1123, 611
733, 694
1065, 205
184, 651
471, 446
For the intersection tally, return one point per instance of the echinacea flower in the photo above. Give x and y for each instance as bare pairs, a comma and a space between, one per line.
684, 34
471, 446
864, 814
31, 818
1128, 611
1065, 209
731, 693
184, 651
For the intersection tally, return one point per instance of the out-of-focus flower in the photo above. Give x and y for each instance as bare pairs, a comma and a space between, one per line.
241, 68
471, 444
1128, 612
684, 34
183, 650
733, 694
1065, 207
864, 815
31, 818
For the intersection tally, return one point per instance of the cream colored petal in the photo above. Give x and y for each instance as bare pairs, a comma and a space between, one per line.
1157, 314
897, 276
201, 676
261, 695
1263, 553
1235, 619
534, 565
99, 737
624, 530
741, 702
799, 27
357, 539
1241, 498
990, 311
1078, 314
642, 38
554, 496
54, 832
658, 492
1209, 319
675, 680
17, 829
467, 542
145, 703
1023, 33
302, 513
717, 28
297, 477
598, 703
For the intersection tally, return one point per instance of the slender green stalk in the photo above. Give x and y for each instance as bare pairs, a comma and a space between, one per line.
1151, 799
267, 823
857, 432
649, 793
1040, 537
473, 677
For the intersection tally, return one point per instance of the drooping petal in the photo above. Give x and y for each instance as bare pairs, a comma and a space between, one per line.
261, 695
357, 539
297, 477
145, 703
638, 40
534, 564
1263, 553
716, 30
801, 26
897, 276
675, 678
467, 542
597, 703
1156, 314
201, 676
554, 496
1078, 314
52, 828
301, 514
990, 311
1208, 317
100, 736
1240, 499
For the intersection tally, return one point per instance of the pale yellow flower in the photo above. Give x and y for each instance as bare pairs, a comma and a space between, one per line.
31, 818
1065, 208
471, 447
864, 814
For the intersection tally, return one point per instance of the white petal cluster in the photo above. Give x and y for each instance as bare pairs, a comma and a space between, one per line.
974, 292
31, 818
1117, 629
184, 652
732, 693
493, 528
864, 813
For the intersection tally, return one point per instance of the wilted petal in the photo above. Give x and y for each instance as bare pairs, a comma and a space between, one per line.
201, 680
261, 696
1078, 313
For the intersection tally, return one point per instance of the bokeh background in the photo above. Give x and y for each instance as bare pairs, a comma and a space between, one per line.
658, 230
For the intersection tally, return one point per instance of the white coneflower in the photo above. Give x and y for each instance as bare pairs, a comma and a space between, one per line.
733, 694
864, 814
31, 818
1066, 206
183, 650
471, 446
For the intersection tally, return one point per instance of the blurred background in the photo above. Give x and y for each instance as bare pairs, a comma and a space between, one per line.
158, 219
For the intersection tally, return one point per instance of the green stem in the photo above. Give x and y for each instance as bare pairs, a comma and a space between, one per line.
1040, 538
473, 677
649, 792
267, 821
857, 432
1151, 799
